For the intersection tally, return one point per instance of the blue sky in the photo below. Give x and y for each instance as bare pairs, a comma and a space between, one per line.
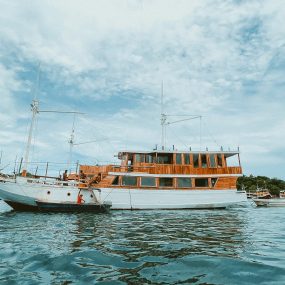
223, 60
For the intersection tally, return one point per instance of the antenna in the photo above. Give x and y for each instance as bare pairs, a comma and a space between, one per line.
164, 122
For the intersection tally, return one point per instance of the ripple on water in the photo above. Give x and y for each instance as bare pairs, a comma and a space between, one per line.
237, 246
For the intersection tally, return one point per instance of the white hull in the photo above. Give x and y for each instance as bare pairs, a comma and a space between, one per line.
123, 199
171, 199
275, 202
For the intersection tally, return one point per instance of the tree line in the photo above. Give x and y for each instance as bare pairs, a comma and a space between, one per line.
252, 183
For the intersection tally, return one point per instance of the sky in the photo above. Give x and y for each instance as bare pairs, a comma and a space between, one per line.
223, 60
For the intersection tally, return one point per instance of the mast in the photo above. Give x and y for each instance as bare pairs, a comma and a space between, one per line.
71, 144
164, 123
162, 120
35, 111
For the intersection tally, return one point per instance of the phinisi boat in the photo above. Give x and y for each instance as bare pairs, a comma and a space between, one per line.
143, 180
169, 180
157, 179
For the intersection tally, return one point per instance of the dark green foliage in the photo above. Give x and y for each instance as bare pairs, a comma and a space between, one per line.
252, 183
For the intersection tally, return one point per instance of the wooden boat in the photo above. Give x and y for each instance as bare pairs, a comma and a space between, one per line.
169, 180
144, 180
158, 179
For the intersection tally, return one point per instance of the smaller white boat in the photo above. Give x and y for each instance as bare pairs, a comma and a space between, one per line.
269, 202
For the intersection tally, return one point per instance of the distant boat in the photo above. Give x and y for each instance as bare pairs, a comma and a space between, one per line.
269, 201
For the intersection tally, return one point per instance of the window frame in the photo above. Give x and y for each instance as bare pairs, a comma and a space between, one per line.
177, 182
178, 155
215, 160
206, 179
170, 186
198, 160
205, 163
189, 155
148, 186
132, 185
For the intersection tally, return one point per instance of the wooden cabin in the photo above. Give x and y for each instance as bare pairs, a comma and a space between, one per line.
192, 170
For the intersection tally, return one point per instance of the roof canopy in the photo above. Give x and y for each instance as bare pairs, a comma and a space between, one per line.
226, 153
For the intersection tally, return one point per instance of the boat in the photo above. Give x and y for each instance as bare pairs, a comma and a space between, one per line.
156, 179
143, 180
52, 195
169, 180
265, 199
269, 202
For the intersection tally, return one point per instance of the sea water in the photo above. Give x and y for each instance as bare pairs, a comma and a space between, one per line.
234, 246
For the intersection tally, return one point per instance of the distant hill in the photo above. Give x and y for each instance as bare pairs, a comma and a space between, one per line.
251, 183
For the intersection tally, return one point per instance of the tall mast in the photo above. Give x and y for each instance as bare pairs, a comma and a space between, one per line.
71, 144
35, 111
162, 120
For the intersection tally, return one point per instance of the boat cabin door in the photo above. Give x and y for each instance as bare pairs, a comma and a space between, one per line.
130, 162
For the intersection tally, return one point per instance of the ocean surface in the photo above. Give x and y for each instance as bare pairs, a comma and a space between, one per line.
235, 246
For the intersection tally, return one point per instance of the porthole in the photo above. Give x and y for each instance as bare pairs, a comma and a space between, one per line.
91, 196
48, 192
68, 194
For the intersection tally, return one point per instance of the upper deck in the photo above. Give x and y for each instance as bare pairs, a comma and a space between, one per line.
180, 162
176, 169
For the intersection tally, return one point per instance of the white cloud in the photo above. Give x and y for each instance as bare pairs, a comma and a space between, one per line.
222, 59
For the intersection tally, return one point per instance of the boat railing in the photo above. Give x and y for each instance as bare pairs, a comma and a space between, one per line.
51, 181
176, 169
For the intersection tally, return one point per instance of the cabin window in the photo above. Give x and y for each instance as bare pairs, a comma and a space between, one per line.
196, 160
165, 182
116, 181
184, 182
178, 158
212, 161
186, 158
220, 160
139, 157
130, 162
214, 181
129, 181
148, 181
148, 158
164, 158
201, 182
204, 160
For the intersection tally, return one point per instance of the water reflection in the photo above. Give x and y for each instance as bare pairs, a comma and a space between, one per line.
137, 240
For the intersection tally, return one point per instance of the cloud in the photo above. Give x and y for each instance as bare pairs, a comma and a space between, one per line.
223, 60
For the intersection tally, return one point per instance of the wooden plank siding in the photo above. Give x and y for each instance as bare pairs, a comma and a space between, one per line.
160, 169
105, 179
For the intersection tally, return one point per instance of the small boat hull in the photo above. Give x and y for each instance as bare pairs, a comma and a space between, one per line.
60, 207
72, 207
275, 202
